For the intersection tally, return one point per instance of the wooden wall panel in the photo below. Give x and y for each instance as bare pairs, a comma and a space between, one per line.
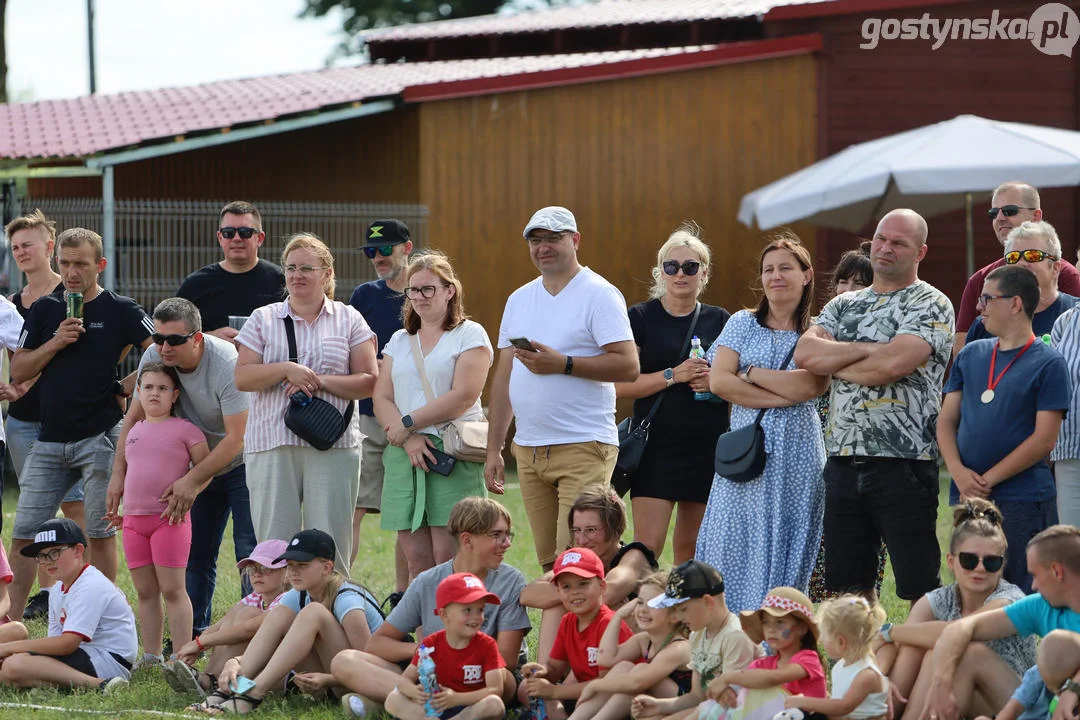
631, 158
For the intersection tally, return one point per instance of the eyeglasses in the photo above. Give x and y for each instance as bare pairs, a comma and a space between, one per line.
173, 340
990, 563
537, 239
1031, 256
589, 532
426, 291
689, 268
1007, 210
985, 298
500, 536
51, 556
254, 570
384, 250
245, 232
303, 269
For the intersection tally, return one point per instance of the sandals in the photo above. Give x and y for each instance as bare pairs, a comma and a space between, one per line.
231, 707
213, 700
182, 678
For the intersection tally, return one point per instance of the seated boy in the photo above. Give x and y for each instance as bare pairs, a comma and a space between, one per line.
467, 661
579, 578
717, 641
92, 640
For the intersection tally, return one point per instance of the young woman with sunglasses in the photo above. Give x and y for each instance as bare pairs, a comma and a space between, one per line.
455, 355
976, 558
683, 432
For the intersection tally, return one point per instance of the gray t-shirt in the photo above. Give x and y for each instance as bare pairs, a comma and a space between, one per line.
208, 393
417, 606
1018, 652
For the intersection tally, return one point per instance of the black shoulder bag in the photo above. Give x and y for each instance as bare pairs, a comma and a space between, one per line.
632, 440
740, 454
314, 420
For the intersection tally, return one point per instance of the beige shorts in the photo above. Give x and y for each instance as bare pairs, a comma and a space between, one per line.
371, 464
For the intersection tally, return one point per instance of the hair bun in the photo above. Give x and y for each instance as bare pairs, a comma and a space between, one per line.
976, 509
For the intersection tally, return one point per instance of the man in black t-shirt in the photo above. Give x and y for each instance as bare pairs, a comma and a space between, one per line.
77, 360
239, 283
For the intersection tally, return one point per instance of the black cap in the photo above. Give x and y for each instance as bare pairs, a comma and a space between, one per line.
692, 579
308, 545
386, 232
58, 531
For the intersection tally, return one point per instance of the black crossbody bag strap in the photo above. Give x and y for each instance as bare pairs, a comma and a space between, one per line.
647, 420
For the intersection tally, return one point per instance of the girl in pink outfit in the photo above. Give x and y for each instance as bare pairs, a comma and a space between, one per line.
160, 450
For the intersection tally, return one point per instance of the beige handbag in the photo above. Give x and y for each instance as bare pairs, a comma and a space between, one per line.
464, 439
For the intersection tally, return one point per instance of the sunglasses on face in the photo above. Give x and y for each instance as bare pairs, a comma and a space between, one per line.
245, 232
1007, 210
990, 563
1032, 256
384, 250
173, 340
672, 267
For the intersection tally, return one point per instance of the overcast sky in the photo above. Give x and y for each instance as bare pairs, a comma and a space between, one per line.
158, 43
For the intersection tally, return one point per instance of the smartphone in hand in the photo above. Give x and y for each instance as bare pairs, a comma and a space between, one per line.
523, 344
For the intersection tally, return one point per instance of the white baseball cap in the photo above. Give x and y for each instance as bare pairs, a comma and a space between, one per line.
554, 218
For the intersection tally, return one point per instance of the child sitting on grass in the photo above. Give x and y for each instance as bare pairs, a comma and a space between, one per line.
92, 640
575, 657
467, 661
695, 590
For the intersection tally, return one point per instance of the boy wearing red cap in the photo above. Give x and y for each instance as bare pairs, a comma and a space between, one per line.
467, 661
579, 579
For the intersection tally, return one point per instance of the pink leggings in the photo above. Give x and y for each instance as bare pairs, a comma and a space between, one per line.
150, 540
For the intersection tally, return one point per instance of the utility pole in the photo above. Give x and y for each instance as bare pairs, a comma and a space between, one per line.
90, 44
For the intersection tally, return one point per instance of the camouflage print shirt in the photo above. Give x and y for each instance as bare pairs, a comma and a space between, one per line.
896, 420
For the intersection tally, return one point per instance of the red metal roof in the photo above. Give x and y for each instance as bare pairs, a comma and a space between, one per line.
604, 13
94, 124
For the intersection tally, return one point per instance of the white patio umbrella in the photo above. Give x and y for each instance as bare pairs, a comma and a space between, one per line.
932, 169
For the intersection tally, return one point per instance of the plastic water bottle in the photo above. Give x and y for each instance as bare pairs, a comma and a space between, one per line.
426, 667
696, 351
537, 708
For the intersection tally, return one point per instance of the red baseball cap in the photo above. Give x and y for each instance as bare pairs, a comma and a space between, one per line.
463, 588
579, 561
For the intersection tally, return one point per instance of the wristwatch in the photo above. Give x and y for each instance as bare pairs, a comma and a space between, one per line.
745, 374
406, 421
1070, 685
886, 632
569, 369
669, 377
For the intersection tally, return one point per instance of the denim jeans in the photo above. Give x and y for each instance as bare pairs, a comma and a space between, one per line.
21, 435
209, 516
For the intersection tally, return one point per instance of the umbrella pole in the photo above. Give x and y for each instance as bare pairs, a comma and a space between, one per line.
970, 237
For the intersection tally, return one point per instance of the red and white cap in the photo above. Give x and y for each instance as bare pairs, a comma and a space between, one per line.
464, 588
579, 561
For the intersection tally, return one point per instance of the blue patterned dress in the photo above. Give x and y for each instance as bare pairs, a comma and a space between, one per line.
766, 533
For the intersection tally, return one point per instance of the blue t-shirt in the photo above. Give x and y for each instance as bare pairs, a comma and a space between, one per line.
381, 307
1037, 381
1034, 616
350, 597
1041, 324
1033, 695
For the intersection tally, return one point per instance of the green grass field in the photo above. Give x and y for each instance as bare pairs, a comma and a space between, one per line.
149, 696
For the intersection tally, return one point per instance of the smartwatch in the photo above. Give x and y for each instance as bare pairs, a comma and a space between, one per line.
569, 369
406, 421
886, 632
1070, 685
669, 377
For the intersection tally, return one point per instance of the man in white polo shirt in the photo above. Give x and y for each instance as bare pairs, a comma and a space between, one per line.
565, 340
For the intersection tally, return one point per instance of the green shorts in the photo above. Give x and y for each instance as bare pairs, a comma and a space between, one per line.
412, 498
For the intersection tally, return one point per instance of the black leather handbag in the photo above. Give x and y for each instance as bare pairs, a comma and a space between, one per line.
740, 454
314, 420
632, 440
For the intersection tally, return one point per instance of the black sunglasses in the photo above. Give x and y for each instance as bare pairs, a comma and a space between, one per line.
173, 340
672, 267
1007, 210
384, 250
245, 232
990, 563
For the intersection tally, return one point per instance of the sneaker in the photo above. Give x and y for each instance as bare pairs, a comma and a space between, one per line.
182, 678
113, 686
38, 607
147, 660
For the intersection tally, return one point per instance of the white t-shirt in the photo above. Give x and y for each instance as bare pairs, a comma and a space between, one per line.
558, 409
439, 366
95, 610
11, 324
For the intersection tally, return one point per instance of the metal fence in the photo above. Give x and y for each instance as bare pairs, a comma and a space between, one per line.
159, 242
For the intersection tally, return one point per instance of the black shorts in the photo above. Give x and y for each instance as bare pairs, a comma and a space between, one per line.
77, 660
870, 500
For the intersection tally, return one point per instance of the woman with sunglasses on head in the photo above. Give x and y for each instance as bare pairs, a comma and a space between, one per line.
766, 532
292, 484
433, 371
684, 429
976, 557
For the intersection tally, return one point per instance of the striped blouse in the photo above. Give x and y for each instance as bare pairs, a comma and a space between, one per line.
324, 346
1065, 338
